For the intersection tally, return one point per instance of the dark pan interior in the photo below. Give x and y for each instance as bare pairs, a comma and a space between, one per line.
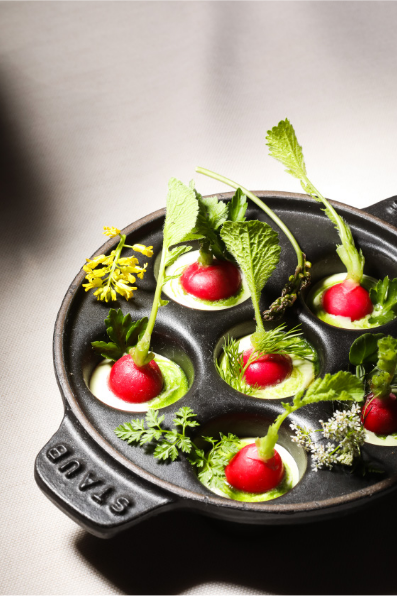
192, 338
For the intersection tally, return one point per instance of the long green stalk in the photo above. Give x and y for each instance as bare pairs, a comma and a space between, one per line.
262, 206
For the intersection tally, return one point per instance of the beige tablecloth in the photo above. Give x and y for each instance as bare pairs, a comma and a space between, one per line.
100, 103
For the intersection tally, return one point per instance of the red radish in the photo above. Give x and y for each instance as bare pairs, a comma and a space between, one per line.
267, 370
347, 299
220, 280
379, 415
250, 473
135, 384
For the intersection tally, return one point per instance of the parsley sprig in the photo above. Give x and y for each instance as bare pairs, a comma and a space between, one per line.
170, 442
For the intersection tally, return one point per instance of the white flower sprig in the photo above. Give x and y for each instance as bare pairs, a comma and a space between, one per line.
344, 428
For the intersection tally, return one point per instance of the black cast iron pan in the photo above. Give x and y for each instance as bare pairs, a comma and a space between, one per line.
106, 485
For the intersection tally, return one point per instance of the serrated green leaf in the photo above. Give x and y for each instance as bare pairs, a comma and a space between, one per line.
181, 212
237, 206
341, 386
153, 419
254, 245
283, 145
386, 366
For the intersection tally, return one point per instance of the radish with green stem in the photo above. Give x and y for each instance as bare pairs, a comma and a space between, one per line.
214, 276
375, 357
267, 362
136, 375
347, 299
301, 277
258, 467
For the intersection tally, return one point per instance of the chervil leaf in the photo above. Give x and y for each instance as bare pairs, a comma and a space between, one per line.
166, 451
254, 245
238, 206
131, 431
364, 350
384, 299
284, 147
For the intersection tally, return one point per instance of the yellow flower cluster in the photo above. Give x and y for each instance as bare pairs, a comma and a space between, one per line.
111, 274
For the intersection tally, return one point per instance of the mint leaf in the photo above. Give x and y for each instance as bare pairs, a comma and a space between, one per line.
124, 333
364, 350
237, 206
384, 299
254, 245
284, 147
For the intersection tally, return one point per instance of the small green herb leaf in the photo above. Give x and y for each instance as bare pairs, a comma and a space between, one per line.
238, 206
382, 379
384, 299
254, 245
124, 333
279, 341
364, 349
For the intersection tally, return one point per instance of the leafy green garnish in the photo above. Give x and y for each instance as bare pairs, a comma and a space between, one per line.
280, 341
175, 253
384, 299
382, 379
123, 332
211, 216
180, 219
254, 245
364, 350
170, 442
296, 282
284, 147
232, 368
342, 386
213, 463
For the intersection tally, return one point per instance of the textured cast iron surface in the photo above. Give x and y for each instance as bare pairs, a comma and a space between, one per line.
190, 337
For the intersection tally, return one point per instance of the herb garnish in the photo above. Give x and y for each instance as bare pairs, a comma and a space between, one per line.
124, 333
169, 442
301, 277
384, 299
284, 147
375, 357
211, 216
115, 276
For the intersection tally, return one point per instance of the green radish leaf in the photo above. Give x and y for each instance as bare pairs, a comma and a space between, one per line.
386, 366
341, 386
254, 245
238, 206
181, 212
364, 349
284, 147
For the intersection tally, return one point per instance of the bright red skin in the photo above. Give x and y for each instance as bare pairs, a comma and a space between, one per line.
135, 384
268, 370
248, 472
347, 300
213, 282
380, 415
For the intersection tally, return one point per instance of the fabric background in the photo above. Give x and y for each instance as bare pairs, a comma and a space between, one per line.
100, 103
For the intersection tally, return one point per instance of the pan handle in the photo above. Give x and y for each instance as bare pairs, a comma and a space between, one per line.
386, 210
96, 492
